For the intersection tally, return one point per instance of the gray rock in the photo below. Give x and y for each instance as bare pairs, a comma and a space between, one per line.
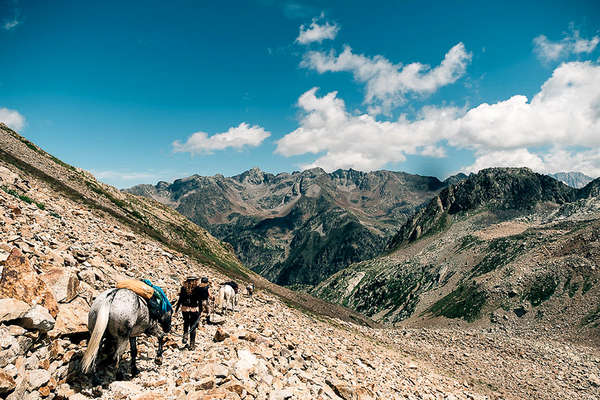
38, 318
38, 378
32, 362
11, 309
124, 388
8, 356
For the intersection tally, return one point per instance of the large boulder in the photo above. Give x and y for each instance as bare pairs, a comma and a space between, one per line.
12, 309
20, 281
72, 318
63, 282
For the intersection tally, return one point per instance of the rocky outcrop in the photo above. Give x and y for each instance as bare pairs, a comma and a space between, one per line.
493, 188
299, 228
19, 281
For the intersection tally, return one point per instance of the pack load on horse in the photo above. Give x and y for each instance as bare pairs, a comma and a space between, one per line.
122, 314
227, 297
193, 299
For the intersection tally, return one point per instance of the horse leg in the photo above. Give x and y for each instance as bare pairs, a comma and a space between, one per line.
159, 353
121, 347
133, 347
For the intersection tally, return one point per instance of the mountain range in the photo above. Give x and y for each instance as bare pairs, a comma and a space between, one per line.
299, 228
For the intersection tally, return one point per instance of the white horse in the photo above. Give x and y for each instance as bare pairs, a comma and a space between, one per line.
119, 316
227, 298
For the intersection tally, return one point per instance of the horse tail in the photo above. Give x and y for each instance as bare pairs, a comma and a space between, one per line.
94, 343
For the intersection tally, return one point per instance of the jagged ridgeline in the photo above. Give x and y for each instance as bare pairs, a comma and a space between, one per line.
298, 229
504, 246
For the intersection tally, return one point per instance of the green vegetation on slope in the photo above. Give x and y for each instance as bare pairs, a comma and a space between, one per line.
465, 302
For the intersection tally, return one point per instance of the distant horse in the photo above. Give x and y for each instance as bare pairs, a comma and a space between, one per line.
250, 289
227, 298
122, 315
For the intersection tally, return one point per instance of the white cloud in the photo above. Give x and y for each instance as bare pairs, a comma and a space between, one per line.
12, 118
387, 84
317, 32
236, 137
120, 175
548, 50
572, 43
10, 24
507, 158
361, 141
559, 129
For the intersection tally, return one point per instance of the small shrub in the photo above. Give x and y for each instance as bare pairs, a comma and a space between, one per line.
541, 290
22, 197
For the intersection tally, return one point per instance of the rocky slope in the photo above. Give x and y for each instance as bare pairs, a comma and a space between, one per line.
573, 179
299, 228
57, 252
504, 247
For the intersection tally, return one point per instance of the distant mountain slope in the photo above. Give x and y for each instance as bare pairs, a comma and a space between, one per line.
505, 246
298, 228
573, 179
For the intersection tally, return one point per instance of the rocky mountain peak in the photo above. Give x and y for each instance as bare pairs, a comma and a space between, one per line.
494, 188
573, 179
254, 176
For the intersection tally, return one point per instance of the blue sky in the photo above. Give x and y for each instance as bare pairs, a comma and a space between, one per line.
151, 91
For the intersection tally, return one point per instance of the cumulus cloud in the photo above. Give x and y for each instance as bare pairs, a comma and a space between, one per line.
572, 43
358, 141
12, 118
387, 84
317, 32
558, 129
236, 137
